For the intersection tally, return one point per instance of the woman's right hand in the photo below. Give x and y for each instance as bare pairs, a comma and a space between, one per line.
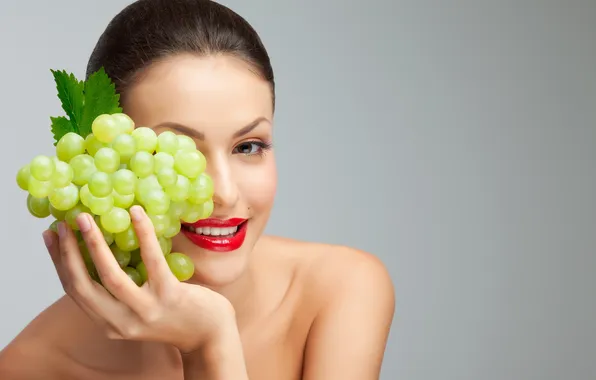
164, 309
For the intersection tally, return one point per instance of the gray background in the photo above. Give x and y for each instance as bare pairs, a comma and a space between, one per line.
456, 140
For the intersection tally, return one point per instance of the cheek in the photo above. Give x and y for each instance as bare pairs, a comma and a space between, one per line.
258, 184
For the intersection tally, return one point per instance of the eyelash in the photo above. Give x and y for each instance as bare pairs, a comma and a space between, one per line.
264, 147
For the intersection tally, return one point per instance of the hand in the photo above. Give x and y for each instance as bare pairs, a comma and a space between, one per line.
163, 310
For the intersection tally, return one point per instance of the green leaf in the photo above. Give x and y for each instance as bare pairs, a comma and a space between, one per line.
83, 101
61, 126
70, 93
100, 98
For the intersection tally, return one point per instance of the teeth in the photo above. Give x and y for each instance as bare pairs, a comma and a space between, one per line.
213, 231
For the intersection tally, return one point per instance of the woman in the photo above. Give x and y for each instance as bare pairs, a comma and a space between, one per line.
258, 307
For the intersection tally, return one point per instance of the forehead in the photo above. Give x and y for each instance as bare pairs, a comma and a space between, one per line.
217, 90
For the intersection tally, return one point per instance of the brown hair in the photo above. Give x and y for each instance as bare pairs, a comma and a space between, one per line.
150, 30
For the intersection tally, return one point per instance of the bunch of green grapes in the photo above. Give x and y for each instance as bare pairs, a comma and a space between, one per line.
110, 170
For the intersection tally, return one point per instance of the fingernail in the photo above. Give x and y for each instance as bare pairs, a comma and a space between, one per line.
47, 238
62, 229
136, 212
83, 222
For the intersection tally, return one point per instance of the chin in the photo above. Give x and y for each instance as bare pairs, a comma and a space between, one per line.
215, 266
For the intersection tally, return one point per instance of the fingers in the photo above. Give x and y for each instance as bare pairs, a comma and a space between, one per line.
53, 245
71, 268
113, 278
158, 271
51, 241
107, 312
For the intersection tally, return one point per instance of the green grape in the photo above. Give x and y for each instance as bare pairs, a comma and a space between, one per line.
85, 195
38, 207
73, 213
92, 270
105, 128
58, 214
192, 213
100, 205
63, 174
145, 138
100, 184
165, 244
108, 236
64, 198
42, 168
201, 189
195, 212
89, 264
145, 186
177, 208
83, 167
23, 176
127, 240
135, 258
107, 160
181, 265
167, 142
123, 201
167, 177
69, 146
54, 226
125, 123
142, 164
122, 257
190, 163
142, 270
115, 221
39, 189
78, 235
84, 251
160, 223
150, 182
163, 160
134, 275
126, 147
207, 209
156, 202
92, 144
173, 229
124, 181
186, 143
179, 191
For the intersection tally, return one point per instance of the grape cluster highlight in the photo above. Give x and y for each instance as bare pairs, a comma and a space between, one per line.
112, 169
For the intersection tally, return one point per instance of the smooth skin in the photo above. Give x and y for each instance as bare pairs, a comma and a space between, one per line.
275, 309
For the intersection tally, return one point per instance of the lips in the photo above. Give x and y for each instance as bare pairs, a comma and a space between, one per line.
206, 234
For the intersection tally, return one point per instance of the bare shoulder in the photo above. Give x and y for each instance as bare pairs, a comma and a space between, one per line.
329, 272
339, 269
350, 296
63, 342
35, 350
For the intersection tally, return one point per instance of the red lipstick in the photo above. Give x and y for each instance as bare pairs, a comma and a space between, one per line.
217, 243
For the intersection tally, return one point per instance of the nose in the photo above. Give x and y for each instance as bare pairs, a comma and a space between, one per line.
226, 194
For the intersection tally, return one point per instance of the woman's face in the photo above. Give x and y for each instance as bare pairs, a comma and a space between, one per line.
228, 111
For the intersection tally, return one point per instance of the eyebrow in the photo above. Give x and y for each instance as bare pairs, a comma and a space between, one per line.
201, 136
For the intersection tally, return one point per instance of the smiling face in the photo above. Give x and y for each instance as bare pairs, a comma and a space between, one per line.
228, 110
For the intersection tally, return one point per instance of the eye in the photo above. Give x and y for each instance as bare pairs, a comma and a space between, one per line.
250, 148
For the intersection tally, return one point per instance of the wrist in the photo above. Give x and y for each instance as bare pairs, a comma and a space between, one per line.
221, 357
218, 327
